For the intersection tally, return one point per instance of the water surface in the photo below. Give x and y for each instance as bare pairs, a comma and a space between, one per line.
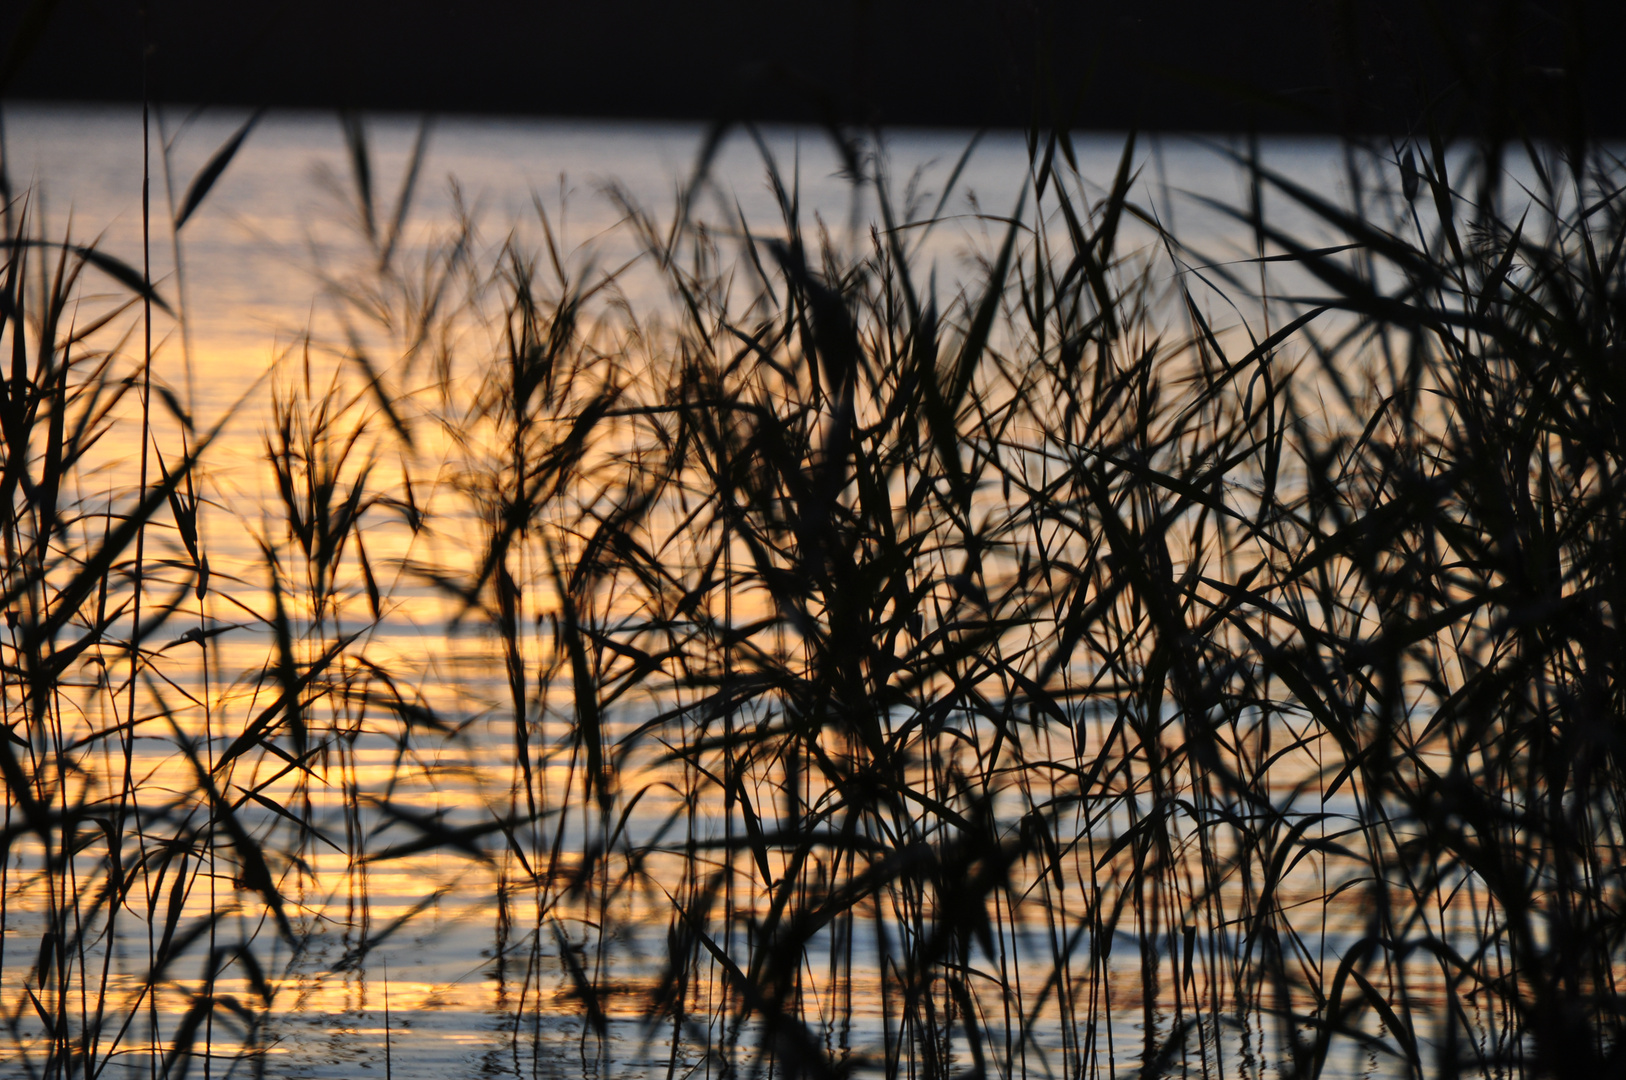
475, 980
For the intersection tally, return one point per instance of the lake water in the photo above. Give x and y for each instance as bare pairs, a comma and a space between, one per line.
473, 957
282, 208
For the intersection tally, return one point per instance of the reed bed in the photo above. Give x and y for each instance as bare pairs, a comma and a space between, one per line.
1123, 663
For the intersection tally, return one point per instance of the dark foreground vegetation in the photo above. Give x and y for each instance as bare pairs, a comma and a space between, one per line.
1106, 669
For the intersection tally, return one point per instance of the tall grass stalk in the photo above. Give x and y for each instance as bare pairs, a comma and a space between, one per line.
1122, 662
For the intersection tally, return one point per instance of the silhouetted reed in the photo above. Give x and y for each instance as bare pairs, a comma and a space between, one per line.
1121, 662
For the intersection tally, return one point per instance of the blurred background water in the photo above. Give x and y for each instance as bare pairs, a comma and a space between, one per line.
278, 212
256, 261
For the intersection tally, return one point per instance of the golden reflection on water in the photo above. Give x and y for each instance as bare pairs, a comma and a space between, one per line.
418, 835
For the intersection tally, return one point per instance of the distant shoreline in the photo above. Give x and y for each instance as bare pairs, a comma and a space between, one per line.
1165, 65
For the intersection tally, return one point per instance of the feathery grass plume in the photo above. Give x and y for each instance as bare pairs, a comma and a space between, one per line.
1124, 661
